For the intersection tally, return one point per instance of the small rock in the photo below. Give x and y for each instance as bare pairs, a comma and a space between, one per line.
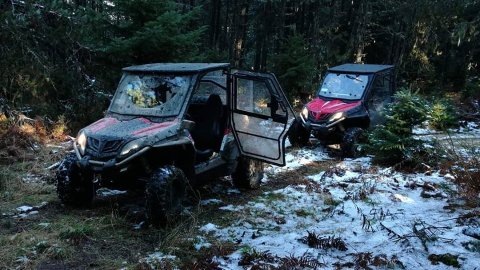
411, 185
280, 220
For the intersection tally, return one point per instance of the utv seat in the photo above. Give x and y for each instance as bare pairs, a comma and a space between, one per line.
208, 131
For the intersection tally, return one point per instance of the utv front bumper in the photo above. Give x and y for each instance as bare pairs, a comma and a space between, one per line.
86, 162
320, 129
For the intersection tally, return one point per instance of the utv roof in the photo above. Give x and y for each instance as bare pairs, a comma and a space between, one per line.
177, 67
360, 68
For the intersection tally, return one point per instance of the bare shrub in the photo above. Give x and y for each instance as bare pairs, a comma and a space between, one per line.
252, 257
303, 262
463, 163
467, 175
329, 242
363, 260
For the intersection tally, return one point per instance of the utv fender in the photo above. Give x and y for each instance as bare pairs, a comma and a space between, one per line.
179, 152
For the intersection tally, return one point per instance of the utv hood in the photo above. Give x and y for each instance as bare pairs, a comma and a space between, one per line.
134, 128
319, 108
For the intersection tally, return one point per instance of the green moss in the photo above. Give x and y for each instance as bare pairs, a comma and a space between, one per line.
303, 213
331, 201
77, 232
447, 259
270, 197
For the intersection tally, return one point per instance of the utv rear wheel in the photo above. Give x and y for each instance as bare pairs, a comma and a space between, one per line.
350, 144
74, 186
248, 174
164, 195
298, 135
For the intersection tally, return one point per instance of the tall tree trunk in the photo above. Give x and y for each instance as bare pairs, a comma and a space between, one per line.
241, 33
215, 25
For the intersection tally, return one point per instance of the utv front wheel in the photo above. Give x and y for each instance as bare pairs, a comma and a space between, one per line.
298, 135
74, 187
350, 144
248, 174
164, 195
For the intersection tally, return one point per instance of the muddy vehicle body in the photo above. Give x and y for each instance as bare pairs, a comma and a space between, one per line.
349, 100
171, 125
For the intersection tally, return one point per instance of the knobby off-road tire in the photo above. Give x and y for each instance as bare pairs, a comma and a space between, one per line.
350, 143
74, 186
248, 174
297, 134
164, 194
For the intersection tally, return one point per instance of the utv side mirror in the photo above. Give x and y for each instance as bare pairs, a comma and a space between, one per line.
187, 124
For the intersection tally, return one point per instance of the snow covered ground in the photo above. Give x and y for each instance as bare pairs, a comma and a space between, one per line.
384, 218
350, 215
403, 218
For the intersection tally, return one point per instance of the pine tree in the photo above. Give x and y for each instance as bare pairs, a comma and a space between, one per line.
295, 67
152, 31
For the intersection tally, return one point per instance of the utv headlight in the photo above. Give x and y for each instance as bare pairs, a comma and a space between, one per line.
81, 142
336, 116
305, 113
132, 147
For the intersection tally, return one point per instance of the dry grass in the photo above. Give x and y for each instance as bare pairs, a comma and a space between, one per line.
102, 237
463, 163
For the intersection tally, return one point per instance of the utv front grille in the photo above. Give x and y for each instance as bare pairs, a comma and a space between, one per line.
103, 148
312, 116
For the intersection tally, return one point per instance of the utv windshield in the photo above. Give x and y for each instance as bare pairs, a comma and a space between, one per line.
150, 95
343, 86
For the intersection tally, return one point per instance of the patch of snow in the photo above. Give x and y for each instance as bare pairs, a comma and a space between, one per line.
419, 130
32, 178
472, 125
287, 143
105, 192
53, 166
449, 177
210, 227
26, 214
233, 208
210, 201
401, 198
472, 232
139, 225
154, 260
201, 243
233, 191
24, 208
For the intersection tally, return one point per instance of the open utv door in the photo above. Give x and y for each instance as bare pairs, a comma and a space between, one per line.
261, 116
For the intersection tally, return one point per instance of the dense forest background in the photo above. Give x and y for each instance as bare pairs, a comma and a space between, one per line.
63, 57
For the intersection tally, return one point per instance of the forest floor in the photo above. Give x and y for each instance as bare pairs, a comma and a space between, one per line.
317, 212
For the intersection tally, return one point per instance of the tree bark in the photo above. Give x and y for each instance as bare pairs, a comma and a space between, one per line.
241, 33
